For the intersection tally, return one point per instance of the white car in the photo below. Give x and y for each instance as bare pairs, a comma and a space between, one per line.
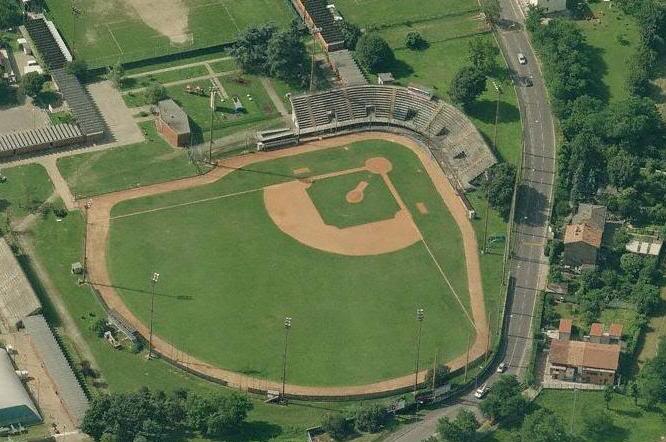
521, 58
481, 391
501, 368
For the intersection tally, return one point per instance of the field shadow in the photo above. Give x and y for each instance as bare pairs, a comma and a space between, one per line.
144, 292
484, 110
48, 309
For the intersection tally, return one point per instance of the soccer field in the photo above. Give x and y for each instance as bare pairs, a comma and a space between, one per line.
105, 32
233, 263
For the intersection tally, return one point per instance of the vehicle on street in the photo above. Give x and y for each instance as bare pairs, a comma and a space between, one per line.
501, 368
521, 58
481, 391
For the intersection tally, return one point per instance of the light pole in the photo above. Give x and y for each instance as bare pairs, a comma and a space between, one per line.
153, 281
287, 326
419, 320
213, 91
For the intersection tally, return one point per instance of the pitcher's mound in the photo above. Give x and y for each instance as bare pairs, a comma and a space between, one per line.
355, 196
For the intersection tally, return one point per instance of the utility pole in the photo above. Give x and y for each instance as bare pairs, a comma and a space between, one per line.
419, 319
314, 30
213, 91
87, 206
287, 327
153, 281
434, 371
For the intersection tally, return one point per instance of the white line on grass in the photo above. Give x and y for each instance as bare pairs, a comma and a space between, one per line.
229, 14
447, 281
189, 203
114, 39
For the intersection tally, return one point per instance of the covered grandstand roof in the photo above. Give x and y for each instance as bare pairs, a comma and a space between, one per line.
346, 68
16, 406
17, 298
323, 20
41, 136
56, 365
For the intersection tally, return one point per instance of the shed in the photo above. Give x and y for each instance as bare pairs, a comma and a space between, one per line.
16, 406
385, 78
173, 123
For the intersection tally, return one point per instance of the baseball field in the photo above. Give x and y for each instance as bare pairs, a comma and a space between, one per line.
105, 32
346, 236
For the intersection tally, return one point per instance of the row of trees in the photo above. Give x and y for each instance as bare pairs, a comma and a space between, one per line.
364, 419
155, 415
11, 14
470, 80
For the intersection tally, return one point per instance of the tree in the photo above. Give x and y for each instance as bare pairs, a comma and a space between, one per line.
608, 395
336, 425
10, 14
215, 415
32, 83
504, 401
78, 68
155, 93
117, 75
633, 124
370, 418
623, 168
462, 429
351, 33
415, 41
6, 95
633, 391
597, 425
467, 84
491, 10
646, 297
286, 57
373, 52
482, 53
499, 187
543, 426
251, 48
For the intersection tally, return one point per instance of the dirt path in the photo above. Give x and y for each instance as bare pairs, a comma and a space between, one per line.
59, 183
98, 233
275, 98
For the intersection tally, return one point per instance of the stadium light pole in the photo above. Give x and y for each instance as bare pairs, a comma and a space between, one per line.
213, 91
287, 327
153, 281
419, 320
86, 206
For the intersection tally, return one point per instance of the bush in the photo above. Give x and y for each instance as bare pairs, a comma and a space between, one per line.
467, 84
32, 83
79, 68
155, 93
370, 418
415, 41
336, 425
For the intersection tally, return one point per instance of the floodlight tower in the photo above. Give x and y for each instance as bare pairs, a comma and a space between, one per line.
419, 320
153, 281
287, 327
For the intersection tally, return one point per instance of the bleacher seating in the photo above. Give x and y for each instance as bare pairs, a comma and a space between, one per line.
453, 138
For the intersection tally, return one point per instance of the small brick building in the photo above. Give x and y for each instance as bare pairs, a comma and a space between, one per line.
172, 123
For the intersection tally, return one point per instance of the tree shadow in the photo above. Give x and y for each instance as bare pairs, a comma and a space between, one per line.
251, 431
484, 110
398, 68
532, 210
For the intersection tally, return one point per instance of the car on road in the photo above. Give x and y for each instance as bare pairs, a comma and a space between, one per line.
481, 391
501, 368
527, 82
521, 58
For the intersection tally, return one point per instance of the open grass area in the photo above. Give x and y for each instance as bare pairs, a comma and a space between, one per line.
105, 32
614, 35
26, 188
329, 195
164, 77
224, 65
212, 290
655, 329
631, 423
381, 13
151, 161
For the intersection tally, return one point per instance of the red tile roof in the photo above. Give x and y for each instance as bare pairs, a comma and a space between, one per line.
583, 233
585, 354
565, 325
596, 329
615, 330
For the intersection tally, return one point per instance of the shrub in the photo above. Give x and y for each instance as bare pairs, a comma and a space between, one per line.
415, 41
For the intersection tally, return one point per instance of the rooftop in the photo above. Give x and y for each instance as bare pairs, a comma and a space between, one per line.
174, 116
585, 354
596, 329
615, 330
583, 233
590, 214
565, 325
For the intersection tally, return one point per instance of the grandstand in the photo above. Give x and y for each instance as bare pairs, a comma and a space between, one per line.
448, 133
317, 16
17, 298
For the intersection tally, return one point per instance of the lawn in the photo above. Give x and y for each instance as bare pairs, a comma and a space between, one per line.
383, 13
615, 38
212, 290
26, 188
221, 66
151, 161
330, 197
632, 423
145, 80
105, 32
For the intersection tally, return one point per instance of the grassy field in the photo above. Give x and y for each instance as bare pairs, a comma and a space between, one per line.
329, 195
119, 168
615, 37
212, 291
632, 423
105, 32
145, 80
26, 188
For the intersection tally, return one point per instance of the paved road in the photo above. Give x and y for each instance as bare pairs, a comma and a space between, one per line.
529, 266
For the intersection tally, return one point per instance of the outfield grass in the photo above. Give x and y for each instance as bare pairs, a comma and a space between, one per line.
632, 423
224, 65
105, 32
151, 161
615, 36
382, 13
26, 188
344, 312
329, 195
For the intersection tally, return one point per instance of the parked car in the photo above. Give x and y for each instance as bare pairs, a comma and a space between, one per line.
501, 368
527, 81
521, 58
481, 391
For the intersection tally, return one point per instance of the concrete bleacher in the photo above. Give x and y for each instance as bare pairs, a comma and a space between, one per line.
17, 297
451, 136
